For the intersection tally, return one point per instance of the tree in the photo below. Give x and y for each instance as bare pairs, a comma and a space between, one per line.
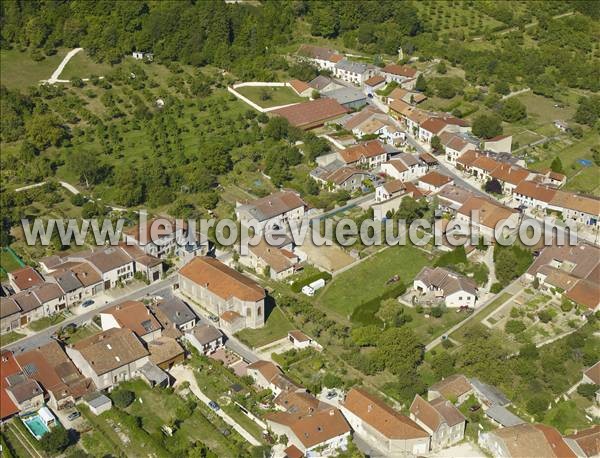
510, 262
122, 398
538, 404
513, 110
493, 186
487, 126
365, 336
441, 68
411, 209
588, 110
436, 145
544, 316
443, 363
56, 440
588, 390
399, 350
421, 83
445, 88
502, 87
556, 165
44, 130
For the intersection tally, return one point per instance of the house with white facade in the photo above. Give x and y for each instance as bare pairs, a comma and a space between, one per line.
370, 154
109, 357
221, 290
486, 215
455, 289
383, 428
533, 195
405, 75
388, 190
271, 212
444, 422
322, 58
205, 338
353, 72
276, 262
404, 167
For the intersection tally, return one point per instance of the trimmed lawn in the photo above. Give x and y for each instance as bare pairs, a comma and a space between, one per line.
489, 309
8, 263
80, 333
275, 96
19, 71
10, 337
276, 327
368, 279
82, 66
46, 322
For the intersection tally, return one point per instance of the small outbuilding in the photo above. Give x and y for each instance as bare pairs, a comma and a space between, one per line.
97, 402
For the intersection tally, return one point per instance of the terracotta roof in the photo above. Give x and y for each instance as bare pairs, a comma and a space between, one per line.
398, 165
293, 452
556, 442
394, 186
535, 191
588, 440
368, 149
221, 280
428, 158
299, 86
581, 261
276, 258
134, 315
25, 390
486, 163
586, 293
490, 212
111, 349
230, 316
528, 440
8, 367
416, 115
335, 58
313, 429
47, 292
382, 417
298, 402
433, 125
26, 277
468, 157
400, 70
593, 373
416, 192
299, 335
510, 173
497, 138
374, 80
266, 368
435, 413
314, 112
86, 274
453, 386
315, 52
400, 106
571, 201
435, 179
273, 205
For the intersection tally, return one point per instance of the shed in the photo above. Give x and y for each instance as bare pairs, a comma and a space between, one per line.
97, 402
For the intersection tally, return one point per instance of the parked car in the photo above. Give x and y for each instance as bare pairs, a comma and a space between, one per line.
69, 327
73, 415
331, 395
474, 408
214, 318
87, 303
213, 405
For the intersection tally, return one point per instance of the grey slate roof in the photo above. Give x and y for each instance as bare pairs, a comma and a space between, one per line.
153, 373
491, 393
351, 66
68, 281
97, 399
177, 311
503, 416
205, 333
345, 95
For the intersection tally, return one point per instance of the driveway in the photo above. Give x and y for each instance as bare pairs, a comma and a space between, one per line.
185, 374
464, 450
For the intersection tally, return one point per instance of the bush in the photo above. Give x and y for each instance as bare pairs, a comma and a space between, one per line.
122, 398
436, 312
496, 288
78, 200
514, 326
298, 285
587, 390
566, 305
545, 316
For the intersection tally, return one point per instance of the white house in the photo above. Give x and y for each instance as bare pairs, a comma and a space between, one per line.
323, 58
353, 72
383, 428
444, 422
388, 190
205, 338
404, 167
455, 289
109, 357
272, 211
371, 154
533, 195
402, 74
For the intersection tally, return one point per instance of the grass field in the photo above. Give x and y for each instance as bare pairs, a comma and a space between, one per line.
10, 337
19, 71
8, 263
46, 322
82, 66
276, 327
367, 280
489, 309
268, 97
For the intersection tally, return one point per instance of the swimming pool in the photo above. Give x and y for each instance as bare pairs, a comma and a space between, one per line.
36, 426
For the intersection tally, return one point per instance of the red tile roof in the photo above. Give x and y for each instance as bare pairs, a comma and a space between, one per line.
299, 86
374, 80
312, 113
435, 179
9, 366
434, 125
26, 277
400, 70
134, 315
535, 191
369, 149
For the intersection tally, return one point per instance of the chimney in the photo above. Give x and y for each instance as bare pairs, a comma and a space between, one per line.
369, 407
331, 413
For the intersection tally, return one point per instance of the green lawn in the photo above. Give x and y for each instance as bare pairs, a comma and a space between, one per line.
268, 97
276, 327
8, 263
18, 70
46, 322
489, 309
10, 337
568, 415
368, 279
80, 333
82, 66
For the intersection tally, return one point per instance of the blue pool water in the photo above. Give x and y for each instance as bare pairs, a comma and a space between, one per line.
37, 427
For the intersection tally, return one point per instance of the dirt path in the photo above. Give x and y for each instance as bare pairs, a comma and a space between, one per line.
54, 78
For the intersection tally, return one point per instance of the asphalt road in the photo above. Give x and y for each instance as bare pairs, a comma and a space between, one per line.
44, 336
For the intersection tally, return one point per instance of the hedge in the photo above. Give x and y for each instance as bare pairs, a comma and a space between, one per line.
365, 313
298, 285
